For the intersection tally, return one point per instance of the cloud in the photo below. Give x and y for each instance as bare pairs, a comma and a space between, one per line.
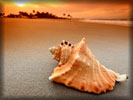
78, 10
105, 11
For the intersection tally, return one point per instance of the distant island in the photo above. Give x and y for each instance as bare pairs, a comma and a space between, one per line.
35, 15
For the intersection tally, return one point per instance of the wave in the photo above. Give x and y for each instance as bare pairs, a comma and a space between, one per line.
114, 22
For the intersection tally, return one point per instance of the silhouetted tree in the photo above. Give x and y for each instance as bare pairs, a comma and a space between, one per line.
33, 11
69, 16
20, 12
2, 14
23, 14
12, 16
31, 15
64, 14
37, 14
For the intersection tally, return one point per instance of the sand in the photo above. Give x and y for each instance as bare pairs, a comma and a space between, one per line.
28, 63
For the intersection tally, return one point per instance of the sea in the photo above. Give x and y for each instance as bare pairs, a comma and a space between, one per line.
114, 22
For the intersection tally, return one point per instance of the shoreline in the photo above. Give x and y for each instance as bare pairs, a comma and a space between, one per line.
113, 22
127, 23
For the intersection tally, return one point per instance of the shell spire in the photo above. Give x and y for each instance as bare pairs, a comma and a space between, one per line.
79, 69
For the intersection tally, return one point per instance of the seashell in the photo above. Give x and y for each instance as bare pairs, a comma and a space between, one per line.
61, 52
79, 69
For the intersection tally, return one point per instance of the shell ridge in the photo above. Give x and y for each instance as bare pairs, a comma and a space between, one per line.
109, 76
98, 79
90, 72
68, 81
73, 81
93, 60
110, 82
89, 78
102, 77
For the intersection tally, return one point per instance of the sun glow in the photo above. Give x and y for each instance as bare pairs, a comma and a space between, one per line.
20, 4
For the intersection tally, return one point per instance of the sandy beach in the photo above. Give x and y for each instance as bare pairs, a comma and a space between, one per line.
28, 63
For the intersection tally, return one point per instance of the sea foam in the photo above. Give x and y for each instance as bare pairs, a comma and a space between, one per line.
114, 22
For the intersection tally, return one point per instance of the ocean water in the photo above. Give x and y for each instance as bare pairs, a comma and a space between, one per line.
114, 22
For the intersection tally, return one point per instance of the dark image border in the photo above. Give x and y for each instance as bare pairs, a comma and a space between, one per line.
68, 98
1, 54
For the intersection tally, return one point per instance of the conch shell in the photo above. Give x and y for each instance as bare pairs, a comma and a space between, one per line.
80, 70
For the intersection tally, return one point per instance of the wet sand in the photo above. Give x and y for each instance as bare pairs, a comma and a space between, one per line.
28, 63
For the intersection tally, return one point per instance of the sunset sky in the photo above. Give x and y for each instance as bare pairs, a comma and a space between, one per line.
91, 9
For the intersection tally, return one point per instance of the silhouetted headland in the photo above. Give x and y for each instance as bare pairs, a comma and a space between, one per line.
35, 14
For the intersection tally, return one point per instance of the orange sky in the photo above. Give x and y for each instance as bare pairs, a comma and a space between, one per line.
91, 10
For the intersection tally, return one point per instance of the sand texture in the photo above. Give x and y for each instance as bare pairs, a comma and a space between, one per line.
28, 62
